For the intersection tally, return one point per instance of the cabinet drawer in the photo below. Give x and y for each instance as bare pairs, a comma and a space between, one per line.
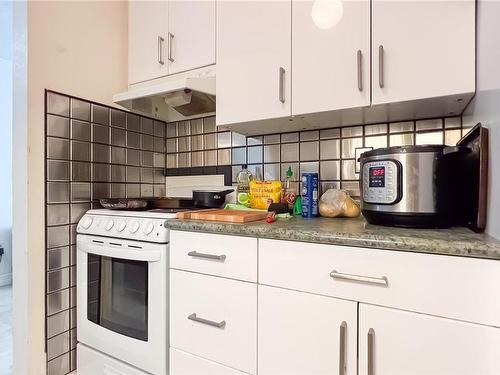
214, 254
182, 363
214, 318
455, 287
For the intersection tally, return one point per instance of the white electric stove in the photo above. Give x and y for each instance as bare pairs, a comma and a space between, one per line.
122, 279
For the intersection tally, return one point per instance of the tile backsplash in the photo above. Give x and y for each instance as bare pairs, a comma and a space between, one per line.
92, 151
331, 152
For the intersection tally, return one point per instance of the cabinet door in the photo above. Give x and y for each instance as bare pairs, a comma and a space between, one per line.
422, 49
191, 34
301, 333
330, 61
147, 40
253, 60
409, 343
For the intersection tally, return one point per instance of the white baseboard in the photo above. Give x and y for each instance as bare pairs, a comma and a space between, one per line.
5, 279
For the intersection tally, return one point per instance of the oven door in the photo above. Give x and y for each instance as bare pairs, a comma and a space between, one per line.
122, 300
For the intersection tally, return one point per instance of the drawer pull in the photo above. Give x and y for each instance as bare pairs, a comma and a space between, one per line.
359, 56
371, 336
196, 254
362, 279
281, 94
342, 367
381, 66
206, 321
160, 54
170, 41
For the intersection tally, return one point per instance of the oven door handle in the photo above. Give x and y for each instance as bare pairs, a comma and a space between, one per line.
120, 252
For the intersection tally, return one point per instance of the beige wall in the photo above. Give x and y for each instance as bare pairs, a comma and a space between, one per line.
78, 48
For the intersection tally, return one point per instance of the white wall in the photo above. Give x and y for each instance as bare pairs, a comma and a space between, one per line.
77, 48
6, 140
21, 345
485, 107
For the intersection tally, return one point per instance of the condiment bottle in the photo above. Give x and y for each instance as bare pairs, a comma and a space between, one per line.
243, 190
288, 194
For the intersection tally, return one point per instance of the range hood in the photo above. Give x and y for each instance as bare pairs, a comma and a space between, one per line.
173, 98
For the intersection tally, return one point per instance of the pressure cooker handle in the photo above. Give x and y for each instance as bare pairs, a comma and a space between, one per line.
456, 150
225, 192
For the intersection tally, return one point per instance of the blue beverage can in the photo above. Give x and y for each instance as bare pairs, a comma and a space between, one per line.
310, 194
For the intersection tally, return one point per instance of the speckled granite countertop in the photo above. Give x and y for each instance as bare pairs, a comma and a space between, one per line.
356, 232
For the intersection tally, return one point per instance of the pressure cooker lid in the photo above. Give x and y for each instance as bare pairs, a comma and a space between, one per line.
403, 150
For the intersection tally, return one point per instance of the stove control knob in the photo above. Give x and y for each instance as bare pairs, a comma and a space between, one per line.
133, 227
86, 222
109, 224
121, 226
148, 228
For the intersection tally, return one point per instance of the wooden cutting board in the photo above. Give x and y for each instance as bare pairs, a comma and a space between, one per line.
228, 216
187, 214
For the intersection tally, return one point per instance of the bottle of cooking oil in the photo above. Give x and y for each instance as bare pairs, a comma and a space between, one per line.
243, 190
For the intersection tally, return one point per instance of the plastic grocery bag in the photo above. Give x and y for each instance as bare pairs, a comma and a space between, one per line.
335, 203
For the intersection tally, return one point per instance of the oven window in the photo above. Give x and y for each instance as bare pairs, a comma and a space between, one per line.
117, 295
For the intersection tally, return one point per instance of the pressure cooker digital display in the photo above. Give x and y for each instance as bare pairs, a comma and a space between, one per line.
380, 181
377, 177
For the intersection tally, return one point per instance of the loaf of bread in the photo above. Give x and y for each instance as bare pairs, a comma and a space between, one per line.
336, 203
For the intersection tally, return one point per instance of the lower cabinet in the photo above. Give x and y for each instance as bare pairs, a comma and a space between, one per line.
318, 309
400, 342
301, 333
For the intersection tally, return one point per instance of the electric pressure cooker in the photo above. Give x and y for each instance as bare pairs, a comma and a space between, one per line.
411, 186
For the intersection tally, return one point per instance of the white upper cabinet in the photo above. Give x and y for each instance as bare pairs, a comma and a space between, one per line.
330, 55
253, 60
400, 342
422, 49
301, 333
191, 35
168, 37
349, 60
147, 40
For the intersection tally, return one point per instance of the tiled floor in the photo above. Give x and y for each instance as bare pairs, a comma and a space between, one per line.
5, 330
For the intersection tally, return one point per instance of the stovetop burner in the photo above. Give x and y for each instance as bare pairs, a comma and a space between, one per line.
167, 204
174, 210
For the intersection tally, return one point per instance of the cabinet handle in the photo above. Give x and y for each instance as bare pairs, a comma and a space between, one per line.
170, 37
160, 49
360, 70
282, 84
196, 254
381, 66
359, 278
371, 337
193, 317
343, 328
